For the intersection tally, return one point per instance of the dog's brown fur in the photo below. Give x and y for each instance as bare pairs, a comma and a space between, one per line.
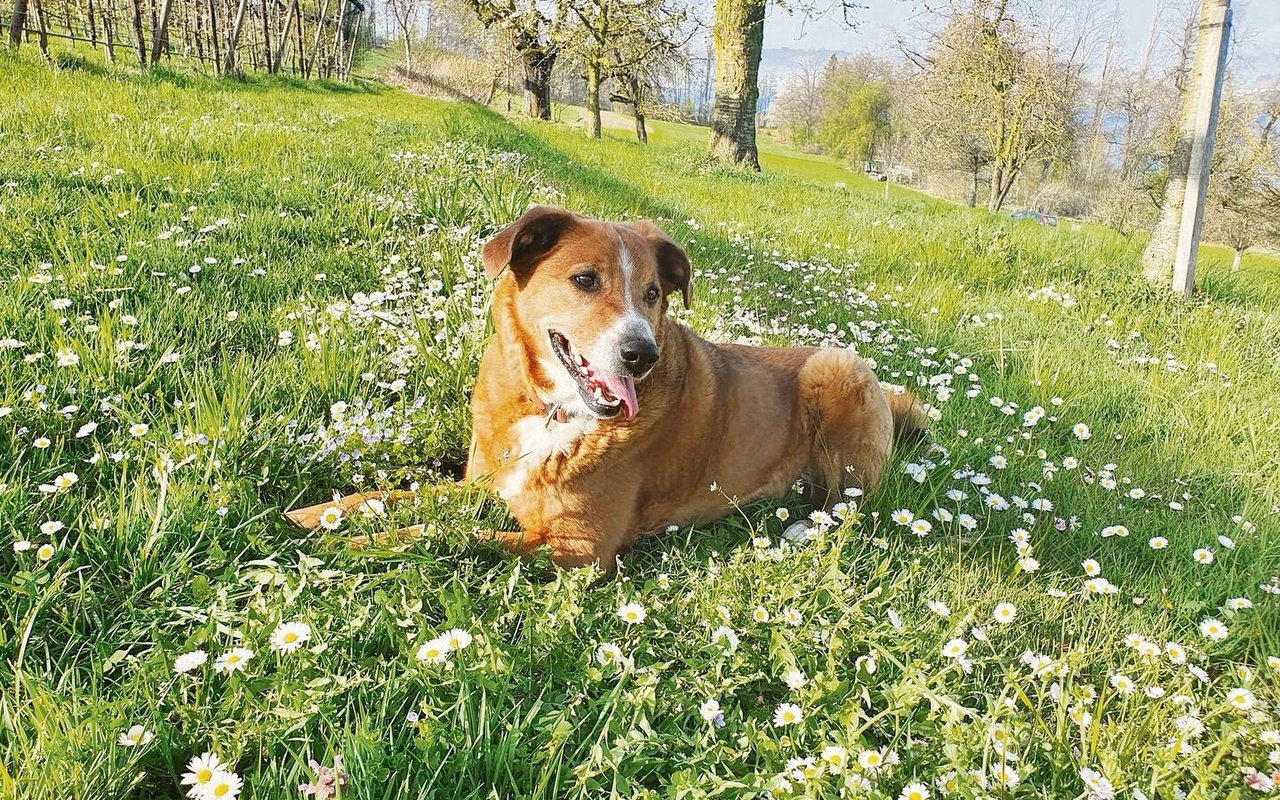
748, 420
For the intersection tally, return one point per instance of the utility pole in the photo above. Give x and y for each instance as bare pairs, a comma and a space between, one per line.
1211, 51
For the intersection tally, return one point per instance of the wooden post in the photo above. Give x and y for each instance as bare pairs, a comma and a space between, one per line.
213, 38
1213, 40
230, 63
139, 42
42, 29
266, 38
298, 45
284, 36
351, 56
160, 35
109, 30
315, 47
335, 63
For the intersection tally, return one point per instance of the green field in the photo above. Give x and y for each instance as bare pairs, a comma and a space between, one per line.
221, 299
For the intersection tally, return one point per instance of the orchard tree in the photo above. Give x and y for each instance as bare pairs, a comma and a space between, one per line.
615, 37
855, 110
992, 80
538, 34
1244, 187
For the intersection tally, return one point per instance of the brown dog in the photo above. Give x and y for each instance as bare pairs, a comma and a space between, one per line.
598, 419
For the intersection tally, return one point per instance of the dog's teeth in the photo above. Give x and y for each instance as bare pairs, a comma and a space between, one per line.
596, 394
582, 362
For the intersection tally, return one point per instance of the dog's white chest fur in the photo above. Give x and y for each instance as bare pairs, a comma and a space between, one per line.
535, 441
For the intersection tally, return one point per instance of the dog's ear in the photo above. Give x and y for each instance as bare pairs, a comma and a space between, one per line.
522, 243
674, 269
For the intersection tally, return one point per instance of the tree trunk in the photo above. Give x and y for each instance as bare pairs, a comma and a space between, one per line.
639, 94
138, 41
17, 21
739, 42
93, 26
593, 100
997, 187
538, 61
1157, 258
160, 36
973, 188
1235, 261
266, 39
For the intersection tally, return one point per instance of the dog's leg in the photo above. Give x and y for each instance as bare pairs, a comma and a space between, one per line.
308, 518
853, 426
515, 541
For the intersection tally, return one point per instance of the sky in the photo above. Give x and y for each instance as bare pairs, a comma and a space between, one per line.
1255, 58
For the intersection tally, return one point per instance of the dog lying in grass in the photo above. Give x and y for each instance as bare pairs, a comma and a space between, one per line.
599, 419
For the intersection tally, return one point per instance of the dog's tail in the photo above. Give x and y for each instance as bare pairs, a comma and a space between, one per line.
910, 422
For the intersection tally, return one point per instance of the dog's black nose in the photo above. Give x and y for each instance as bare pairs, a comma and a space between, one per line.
638, 355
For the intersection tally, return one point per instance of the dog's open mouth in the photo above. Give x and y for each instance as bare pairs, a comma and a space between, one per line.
606, 395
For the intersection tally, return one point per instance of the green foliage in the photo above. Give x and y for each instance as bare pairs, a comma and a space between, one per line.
855, 116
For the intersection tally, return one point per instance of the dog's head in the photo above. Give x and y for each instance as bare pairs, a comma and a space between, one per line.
590, 297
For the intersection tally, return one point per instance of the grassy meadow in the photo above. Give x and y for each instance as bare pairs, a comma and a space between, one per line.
219, 300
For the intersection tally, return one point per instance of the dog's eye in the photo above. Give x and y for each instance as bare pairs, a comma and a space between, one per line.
587, 281
651, 296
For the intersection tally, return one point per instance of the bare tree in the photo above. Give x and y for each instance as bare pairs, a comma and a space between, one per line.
798, 109
998, 89
404, 13
615, 36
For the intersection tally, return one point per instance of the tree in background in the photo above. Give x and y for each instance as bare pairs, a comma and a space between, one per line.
986, 78
1194, 63
738, 34
855, 110
615, 37
798, 109
538, 35
404, 14
1244, 193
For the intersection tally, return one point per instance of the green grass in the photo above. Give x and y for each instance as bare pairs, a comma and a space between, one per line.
289, 199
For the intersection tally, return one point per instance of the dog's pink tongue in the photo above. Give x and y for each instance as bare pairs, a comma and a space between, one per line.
624, 389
